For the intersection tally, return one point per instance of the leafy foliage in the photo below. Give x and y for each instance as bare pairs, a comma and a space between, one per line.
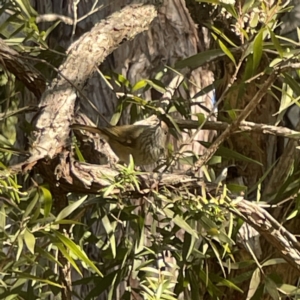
168, 242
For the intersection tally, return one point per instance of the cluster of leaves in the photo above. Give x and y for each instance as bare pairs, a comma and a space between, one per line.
136, 237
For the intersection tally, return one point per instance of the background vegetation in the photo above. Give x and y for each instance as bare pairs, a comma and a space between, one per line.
127, 234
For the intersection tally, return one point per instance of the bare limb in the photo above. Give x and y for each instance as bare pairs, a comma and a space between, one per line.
244, 126
284, 241
54, 17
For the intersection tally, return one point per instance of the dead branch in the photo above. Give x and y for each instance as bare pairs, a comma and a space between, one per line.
244, 126
284, 241
53, 18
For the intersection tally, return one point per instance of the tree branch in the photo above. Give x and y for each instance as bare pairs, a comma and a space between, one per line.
284, 241
87, 179
244, 126
235, 124
57, 104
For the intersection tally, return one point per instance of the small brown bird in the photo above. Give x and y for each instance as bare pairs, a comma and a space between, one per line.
145, 142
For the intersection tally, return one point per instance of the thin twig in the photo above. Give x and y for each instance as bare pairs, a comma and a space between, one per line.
235, 125
54, 17
244, 126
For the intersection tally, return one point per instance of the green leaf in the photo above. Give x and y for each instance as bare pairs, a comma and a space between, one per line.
66, 254
45, 254
47, 200
157, 85
208, 224
69, 209
254, 20
276, 42
294, 84
199, 59
36, 278
258, 295
112, 288
208, 88
108, 190
123, 80
247, 5
248, 73
231, 9
101, 285
217, 254
3, 217
224, 282
209, 1
180, 222
29, 240
218, 34
20, 247
173, 123
274, 261
139, 85
254, 283
201, 118
26, 8
231, 154
110, 232
271, 287
226, 51
31, 205
290, 290
293, 214
79, 154
188, 246
257, 49
50, 29
78, 252
71, 222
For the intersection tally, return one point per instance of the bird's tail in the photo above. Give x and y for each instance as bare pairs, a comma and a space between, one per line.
87, 128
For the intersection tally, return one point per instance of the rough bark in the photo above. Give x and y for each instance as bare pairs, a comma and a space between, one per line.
58, 101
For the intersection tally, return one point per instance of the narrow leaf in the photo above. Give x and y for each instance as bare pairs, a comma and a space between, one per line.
199, 59
79, 253
29, 240
226, 51
47, 200
180, 222
31, 205
69, 209
257, 49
